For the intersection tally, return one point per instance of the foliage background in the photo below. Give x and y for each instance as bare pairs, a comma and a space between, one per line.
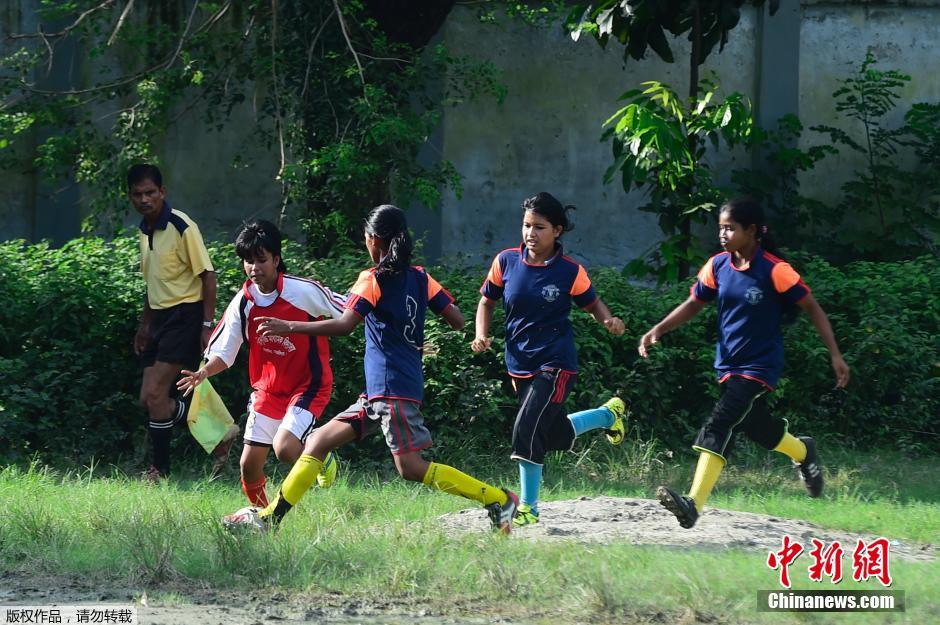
70, 376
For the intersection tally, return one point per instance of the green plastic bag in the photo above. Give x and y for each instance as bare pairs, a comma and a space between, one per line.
209, 420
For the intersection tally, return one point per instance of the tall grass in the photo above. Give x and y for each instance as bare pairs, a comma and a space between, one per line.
374, 538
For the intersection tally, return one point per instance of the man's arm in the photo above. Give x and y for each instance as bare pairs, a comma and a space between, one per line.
209, 293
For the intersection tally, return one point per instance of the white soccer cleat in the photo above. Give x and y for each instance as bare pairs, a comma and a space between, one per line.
246, 519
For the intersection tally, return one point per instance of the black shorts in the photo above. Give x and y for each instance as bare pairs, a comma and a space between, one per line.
542, 424
174, 335
741, 407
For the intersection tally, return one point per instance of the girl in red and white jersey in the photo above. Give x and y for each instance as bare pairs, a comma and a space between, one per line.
290, 375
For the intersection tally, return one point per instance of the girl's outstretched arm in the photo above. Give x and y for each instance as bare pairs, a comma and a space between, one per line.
821, 321
482, 339
453, 317
601, 313
328, 327
679, 315
191, 379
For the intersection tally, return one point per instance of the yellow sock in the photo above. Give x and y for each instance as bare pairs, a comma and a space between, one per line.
298, 481
793, 447
456, 482
706, 474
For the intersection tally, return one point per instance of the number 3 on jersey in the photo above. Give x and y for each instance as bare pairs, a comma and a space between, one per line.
409, 332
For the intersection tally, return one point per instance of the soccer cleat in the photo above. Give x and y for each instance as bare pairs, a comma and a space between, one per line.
810, 471
246, 519
151, 475
327, 474
680, 505
525, 516
617, 431
501, 516
220, 453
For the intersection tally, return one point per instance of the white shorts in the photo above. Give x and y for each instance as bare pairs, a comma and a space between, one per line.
261, 429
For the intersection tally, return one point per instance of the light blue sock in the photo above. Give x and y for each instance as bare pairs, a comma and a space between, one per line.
530, 480
592, 419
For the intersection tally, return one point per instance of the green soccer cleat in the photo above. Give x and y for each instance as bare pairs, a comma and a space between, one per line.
525, 516
617, 431
327, 474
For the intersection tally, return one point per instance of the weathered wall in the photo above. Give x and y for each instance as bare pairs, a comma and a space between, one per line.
197, 162
546, 135
17, 188
903, 35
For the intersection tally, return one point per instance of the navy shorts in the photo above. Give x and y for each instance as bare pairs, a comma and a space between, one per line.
542, 423
174, 335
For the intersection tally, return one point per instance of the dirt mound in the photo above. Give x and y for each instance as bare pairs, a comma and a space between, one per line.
645, 522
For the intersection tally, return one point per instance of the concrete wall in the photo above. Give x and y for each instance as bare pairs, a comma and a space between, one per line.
545, 136
904, 36
197, 162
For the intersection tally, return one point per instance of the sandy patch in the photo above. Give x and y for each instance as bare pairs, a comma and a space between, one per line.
645, 522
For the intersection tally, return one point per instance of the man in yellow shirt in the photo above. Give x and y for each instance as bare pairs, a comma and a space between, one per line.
179, 308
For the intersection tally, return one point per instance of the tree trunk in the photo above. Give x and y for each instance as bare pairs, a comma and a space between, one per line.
685, 224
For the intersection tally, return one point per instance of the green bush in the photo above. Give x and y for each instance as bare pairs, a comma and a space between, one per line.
71, 379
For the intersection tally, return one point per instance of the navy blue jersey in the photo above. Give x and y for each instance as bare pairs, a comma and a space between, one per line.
394, 308
537, 300
750, 301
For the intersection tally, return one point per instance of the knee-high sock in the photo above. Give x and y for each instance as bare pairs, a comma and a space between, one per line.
530, 481
792, 447
180, 410
255, 492
298, 481
161, 433
706, 474
592, 419
456, 482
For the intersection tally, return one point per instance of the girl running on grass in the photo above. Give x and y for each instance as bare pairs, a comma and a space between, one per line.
290, 375
538, 284
754, 290
392, 299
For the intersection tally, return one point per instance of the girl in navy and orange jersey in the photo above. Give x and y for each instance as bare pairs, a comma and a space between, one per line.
754, 289
538, 284
392, 299
290, 376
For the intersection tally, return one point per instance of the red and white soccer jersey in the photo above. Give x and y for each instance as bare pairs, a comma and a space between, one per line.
284, 371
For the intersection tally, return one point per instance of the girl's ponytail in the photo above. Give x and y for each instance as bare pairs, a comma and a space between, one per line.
388, 223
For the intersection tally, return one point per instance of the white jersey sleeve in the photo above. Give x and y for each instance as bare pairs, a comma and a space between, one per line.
228, 336
313, 298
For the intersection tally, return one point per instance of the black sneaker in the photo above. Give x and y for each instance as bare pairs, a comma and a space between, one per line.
501, 516
680, 505
810, 471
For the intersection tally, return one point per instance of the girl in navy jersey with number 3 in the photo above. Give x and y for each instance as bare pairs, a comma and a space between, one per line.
753, 289
391, 298
538, 284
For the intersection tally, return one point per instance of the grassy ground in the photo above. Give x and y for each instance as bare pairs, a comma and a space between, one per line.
373, 537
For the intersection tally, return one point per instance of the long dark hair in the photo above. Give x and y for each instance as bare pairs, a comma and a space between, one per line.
256, 236
547, 205
388, 223
748, 211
